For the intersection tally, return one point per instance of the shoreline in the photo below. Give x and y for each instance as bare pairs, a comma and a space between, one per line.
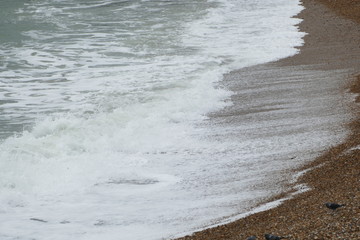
334, 176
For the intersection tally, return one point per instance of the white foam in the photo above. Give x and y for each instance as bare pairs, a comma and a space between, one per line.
238, 36
118, 147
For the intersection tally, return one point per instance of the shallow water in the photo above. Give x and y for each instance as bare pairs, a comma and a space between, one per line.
105, 115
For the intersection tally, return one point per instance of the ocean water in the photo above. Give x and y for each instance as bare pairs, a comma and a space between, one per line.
104, 115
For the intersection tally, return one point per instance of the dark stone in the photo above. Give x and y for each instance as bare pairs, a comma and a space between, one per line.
333, 206
251, 238
273, 237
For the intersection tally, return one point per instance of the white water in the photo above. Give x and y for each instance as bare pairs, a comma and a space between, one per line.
108, 101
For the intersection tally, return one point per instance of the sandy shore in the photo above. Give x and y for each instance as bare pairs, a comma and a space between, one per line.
332, 45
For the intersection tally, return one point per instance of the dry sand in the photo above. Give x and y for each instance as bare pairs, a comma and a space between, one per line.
333, 44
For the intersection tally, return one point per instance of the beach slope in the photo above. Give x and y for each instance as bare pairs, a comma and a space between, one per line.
332, 45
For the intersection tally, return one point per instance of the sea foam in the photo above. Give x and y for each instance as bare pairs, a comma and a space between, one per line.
109, 108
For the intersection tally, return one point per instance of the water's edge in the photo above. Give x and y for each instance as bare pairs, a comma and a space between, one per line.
322, 60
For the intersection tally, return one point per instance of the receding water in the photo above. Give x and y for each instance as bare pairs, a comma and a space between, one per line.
104, 110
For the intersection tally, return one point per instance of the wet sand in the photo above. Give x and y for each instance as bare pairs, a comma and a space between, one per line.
331, 51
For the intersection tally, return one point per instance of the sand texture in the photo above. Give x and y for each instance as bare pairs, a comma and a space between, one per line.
332, 45
347, 8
